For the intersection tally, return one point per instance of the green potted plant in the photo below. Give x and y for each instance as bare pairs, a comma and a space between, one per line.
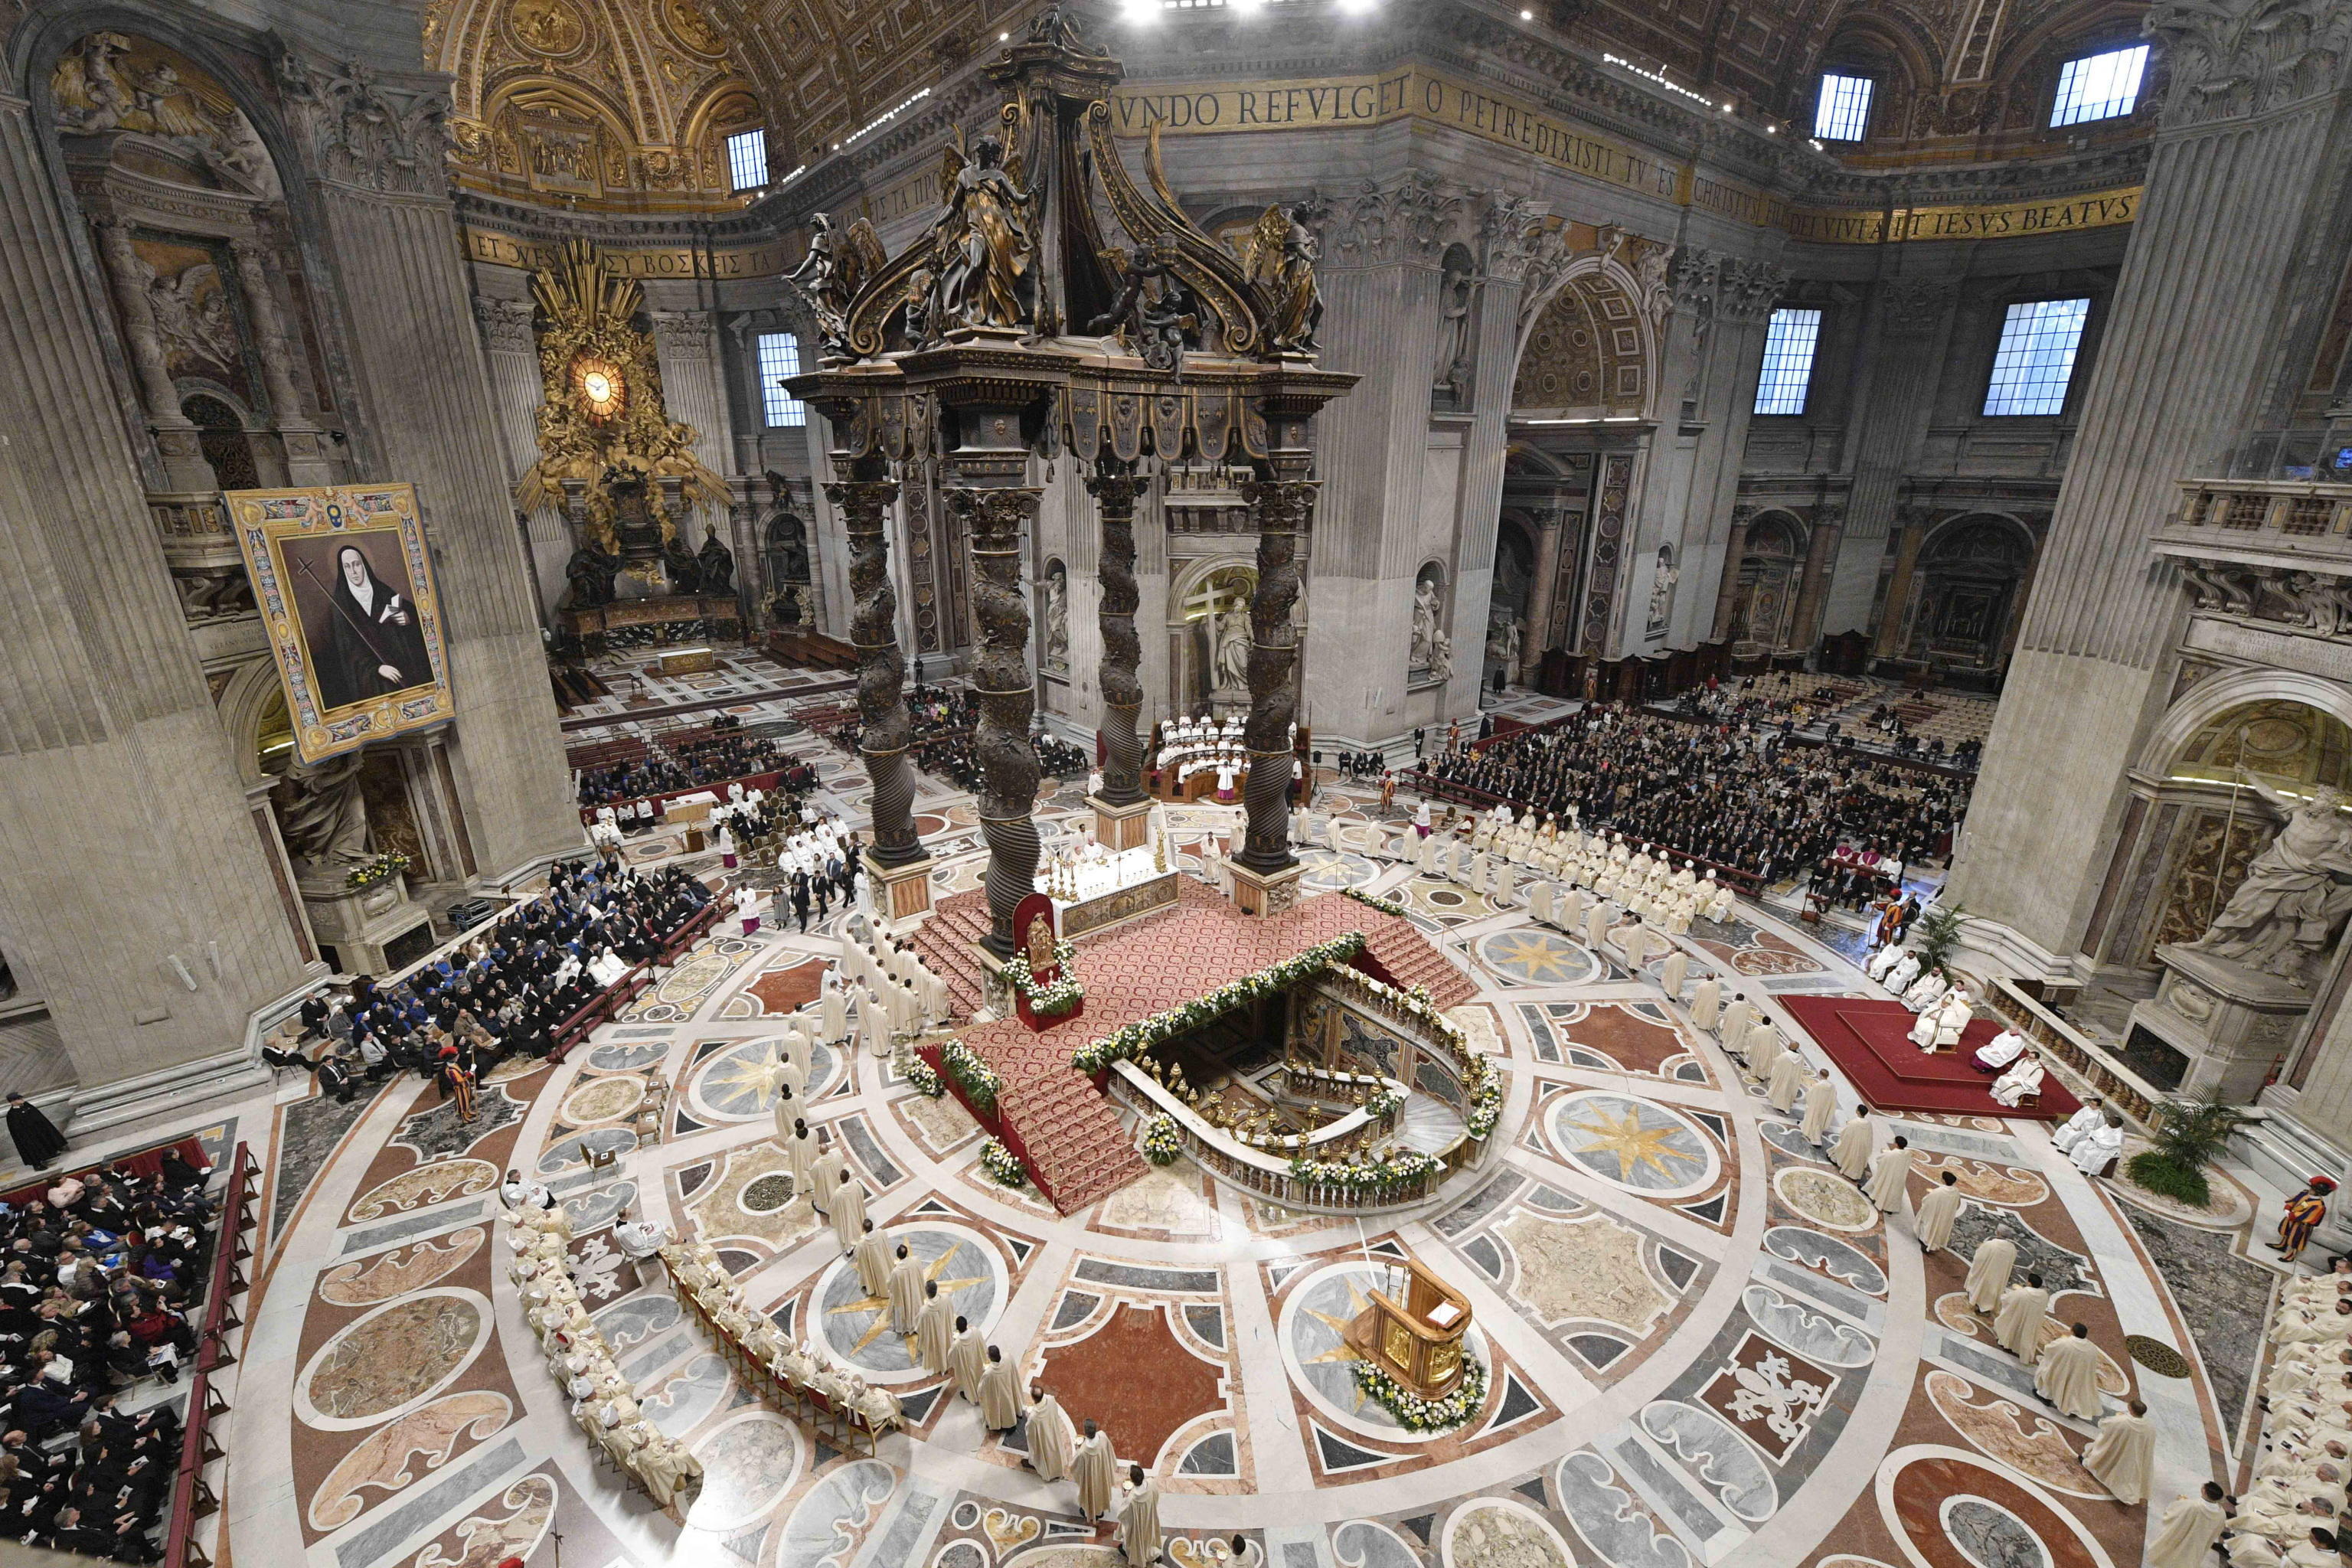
2187, 1138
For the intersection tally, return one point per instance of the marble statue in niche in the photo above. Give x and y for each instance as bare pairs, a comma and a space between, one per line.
1057, 619
1662, 589
1431, 654
1233, 641
2285, 916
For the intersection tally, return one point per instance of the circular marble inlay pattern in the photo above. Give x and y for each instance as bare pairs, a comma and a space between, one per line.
1637, 1144
1328, 870
1825, 1198
394, 1358
733, 1086
572, 1153
1539, 957
1313, 1334
855, 1327
1947, 1509
766, 1195
603, 1100
628, 1056
1497, 1532
434, 1184
747, 1466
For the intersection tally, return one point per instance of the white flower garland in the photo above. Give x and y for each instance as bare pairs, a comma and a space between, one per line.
975, 1078
1418, 1414
1145, 1033
1395, 1169
1161, 1142
926, 1082
1047, 1001
1002, 1167
1384, 1102
1386, 906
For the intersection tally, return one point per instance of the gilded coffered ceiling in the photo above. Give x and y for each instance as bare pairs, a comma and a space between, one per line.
616, 104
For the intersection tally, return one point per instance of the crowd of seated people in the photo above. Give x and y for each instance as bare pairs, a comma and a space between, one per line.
944, 720
1059, 759
506, 990
1730, 793
102, 1272
692, 764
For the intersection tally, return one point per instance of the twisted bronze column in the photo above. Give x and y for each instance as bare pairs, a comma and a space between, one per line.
873, 631
1000, 680
1113, 486
1279, 509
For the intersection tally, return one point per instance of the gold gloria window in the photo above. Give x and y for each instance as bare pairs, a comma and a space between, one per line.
602, 390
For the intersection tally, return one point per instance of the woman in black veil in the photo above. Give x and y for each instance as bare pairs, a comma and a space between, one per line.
372, 644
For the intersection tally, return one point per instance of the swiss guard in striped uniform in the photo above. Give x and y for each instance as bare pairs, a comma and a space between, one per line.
2305, 1211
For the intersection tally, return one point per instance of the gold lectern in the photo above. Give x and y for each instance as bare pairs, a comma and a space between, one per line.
1418, 1343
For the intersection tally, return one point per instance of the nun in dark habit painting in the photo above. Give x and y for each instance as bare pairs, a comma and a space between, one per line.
372, 644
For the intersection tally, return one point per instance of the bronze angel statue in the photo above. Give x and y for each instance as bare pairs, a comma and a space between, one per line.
1280, 255
837, 265
984, 255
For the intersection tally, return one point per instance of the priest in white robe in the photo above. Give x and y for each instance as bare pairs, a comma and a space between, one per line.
1856, 1145
2185, 1535
2018, 1324
1787, 1081
1988, 1273
2122, 1455
1821, 1105
1890, 1177
2067, 1376
1094, 1470
1938, 1212
2098, 1148
1996, 1054
1140, 1537
2021, 1083
1052, 1442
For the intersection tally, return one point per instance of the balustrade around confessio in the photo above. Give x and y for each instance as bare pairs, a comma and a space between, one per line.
1269, 1173
2084, 1058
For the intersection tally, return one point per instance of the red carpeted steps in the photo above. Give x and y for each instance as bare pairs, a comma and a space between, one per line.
946, 943
1076, 1144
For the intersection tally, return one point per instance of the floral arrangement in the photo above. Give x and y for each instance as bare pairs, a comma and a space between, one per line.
1397, 1168
1485, 1089
1049, 1001
1386, 906
380, 868
999, 1164
1384, 1102
975, 1078
926, 1082
1418, 1414
1145, 1033
1161, 1142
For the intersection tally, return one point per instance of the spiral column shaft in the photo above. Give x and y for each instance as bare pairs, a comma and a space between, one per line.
1000, 681
885, 730
1280, 510
1114, 488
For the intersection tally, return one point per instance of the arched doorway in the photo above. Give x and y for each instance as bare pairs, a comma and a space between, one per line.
1967, 595
1764, 603
1209, 634
221, 437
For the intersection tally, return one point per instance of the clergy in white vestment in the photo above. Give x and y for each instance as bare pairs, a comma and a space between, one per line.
1926, 991
824, 1176
967, 1360
2018, 1324
2122, 1455
1052, 1443
1000, 1393
934, 1328
832, 1008
1890, 1176
1738, 1019
1899, 978
2022, 1082
1820, 1104
1539, 902
904, 1291
1097, 1478
1706, 1002
1997, 1053
2067, 1374
1883, 962
1787, 1078
1855, 1144
2185, 1535
1922, 1033
2098, 1148
1139, 1521
1764, 1048
848, 1211
1988, 1273
1937, 1211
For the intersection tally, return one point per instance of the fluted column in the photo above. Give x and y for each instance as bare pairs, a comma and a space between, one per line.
1821, 560
306, 462
1893, 614
1727, 594
862, 499
1113, 486
174, 433
1279, 509
993, 519
1543, 594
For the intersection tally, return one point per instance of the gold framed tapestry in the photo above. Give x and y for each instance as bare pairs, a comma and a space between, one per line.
344, 585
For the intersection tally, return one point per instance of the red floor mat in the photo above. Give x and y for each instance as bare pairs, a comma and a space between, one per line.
1870, 1042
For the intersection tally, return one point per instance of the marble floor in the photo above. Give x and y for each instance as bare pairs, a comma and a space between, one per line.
1702, 1345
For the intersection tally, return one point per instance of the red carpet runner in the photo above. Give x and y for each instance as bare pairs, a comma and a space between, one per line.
1870, 1042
